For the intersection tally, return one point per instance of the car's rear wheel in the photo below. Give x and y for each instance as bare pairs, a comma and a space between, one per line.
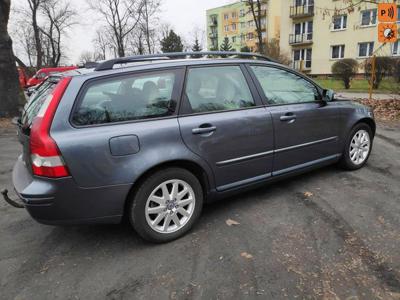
358, 147
166, 205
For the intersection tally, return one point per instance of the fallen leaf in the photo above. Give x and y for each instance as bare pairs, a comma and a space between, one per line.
246, 255
308, 194
231, 222
381, 220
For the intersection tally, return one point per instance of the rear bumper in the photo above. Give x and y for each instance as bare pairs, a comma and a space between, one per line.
61, 201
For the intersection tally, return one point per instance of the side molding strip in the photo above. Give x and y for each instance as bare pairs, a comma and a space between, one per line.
258, 155
243, 158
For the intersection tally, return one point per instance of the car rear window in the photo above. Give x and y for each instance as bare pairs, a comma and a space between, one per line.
127, 98
36, 102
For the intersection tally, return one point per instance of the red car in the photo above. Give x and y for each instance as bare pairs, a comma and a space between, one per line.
23, 78
43, 73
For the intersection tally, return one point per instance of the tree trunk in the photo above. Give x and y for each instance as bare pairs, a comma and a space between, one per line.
38, 42
9, 85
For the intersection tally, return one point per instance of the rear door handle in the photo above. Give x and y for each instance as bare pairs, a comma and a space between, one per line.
286, 118
204, 129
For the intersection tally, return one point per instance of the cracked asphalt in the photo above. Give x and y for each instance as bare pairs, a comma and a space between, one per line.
328, 234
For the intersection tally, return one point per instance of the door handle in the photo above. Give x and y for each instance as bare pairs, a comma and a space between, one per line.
288, 117
204, 129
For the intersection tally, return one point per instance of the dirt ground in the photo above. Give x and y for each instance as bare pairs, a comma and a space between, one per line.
328, 234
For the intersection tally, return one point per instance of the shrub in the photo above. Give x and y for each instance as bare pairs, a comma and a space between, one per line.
345, 70
396, 70
383, 68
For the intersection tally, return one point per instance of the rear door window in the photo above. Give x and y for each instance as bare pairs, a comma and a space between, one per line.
217, 89
127, 98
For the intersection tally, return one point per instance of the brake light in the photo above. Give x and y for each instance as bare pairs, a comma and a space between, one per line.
45, 156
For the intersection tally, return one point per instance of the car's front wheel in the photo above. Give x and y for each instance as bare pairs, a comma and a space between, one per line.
166, 205
358, 147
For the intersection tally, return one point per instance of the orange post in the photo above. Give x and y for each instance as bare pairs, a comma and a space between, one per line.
373, 69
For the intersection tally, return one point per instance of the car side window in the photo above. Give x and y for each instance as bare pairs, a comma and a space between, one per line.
217, 89
284, 87
127, 98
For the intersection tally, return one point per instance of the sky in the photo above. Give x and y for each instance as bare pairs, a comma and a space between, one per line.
182, 15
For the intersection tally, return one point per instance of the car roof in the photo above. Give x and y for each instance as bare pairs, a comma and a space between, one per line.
157, 64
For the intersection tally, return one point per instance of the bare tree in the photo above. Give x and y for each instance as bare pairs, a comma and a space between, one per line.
101, 43
121, 16
9, 86
24, 37
33, 12
255, 8
87, 57
149, 15
59, 17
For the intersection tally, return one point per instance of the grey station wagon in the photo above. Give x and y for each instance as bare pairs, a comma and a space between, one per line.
154, 137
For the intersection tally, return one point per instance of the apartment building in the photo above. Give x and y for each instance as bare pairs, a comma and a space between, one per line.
316, 33
235, 22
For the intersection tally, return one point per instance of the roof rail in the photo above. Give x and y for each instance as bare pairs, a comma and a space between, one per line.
109, 64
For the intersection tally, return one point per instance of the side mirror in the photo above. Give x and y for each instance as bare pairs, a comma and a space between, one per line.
328, 95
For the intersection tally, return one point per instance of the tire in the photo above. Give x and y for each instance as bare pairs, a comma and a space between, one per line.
152, 205
350, 159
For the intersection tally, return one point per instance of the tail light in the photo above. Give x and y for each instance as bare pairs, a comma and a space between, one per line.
45, 155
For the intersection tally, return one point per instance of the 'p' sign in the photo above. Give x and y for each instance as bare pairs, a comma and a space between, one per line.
387, 12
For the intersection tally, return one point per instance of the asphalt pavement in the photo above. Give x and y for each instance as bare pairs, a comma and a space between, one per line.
328, 234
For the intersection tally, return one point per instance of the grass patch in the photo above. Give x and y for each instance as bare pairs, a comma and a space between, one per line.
357, 85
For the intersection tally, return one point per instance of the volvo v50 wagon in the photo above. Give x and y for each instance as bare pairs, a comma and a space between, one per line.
153, 138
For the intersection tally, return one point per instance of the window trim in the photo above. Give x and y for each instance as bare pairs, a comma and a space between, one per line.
260, 90
342, 51
341, 23
368, 49
370, 16
184, 110
176, 93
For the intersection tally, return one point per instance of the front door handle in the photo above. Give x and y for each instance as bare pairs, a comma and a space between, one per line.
204, 129
288, 118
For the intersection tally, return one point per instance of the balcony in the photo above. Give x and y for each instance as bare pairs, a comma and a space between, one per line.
301, 11
213, 35
301, 39
302, 65
213, 23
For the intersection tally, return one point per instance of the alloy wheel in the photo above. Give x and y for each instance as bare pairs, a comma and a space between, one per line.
170, 206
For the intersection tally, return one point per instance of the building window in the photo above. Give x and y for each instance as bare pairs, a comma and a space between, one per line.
368, 17
234, 15
226, 28
233, 26
302, 59
242, 13
242, 38
340, 22
396, 48
243, 24
250, 36
365, 49
226, 16
337, 51
250, 23
234, 39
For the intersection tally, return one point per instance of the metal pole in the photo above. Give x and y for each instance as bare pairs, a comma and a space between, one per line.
371, 86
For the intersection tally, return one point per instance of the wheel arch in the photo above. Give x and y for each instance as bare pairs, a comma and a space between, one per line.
370, 122
193, 167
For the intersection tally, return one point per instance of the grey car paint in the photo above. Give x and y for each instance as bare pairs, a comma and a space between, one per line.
246, 149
